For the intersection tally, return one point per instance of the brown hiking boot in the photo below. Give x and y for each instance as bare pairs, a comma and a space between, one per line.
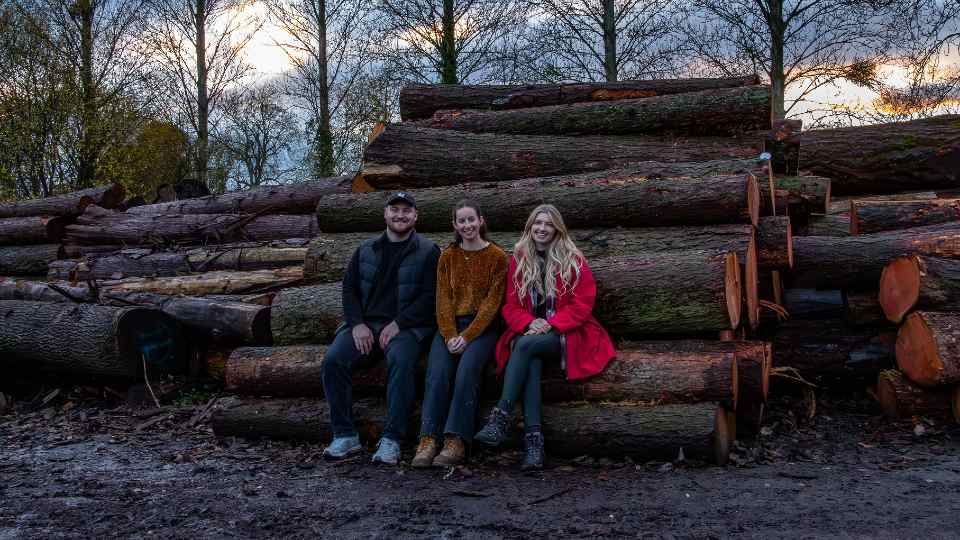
426, 451
453, 452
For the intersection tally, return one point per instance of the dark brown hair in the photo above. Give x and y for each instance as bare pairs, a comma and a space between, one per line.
467, 203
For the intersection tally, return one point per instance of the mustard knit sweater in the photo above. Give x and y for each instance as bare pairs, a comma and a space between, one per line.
468, 283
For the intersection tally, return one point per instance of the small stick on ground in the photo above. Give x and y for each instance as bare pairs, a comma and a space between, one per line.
551, 496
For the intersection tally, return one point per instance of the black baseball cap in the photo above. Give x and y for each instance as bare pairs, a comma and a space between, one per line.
402, 196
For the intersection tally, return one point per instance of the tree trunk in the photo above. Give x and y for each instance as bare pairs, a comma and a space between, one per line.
795, 195
900, 398
681, 292
102, 227
146, 263
249, 282
20, 231
69, 204
857, 261
323, 139
723, 112
305, 420
613, 202
831, 348
774, 243
886, 158
235, 322
876, 216
610, 62
928, 348
448, 44
203, 98
307, 314
422, 101
827, 225
404, 156
924, 283
841, 205
299, 198
28, 260
87, 339
292, 371
21, 289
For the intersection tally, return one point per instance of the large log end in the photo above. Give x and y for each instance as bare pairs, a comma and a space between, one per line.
733, 288
900, 287
916, 351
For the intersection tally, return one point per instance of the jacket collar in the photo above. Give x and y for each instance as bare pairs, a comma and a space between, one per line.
382, 239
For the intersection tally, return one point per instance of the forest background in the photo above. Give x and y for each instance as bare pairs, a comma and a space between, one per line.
241, 93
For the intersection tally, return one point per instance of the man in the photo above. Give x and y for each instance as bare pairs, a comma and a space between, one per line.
389, 307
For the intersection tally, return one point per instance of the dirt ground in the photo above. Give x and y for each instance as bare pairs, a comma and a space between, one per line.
87, 468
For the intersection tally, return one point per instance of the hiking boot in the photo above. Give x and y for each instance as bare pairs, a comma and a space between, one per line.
426, 451
388, 452
342, 447
495, 432
533, 451
453, 453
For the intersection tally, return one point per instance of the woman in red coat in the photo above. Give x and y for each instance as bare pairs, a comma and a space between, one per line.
550, 293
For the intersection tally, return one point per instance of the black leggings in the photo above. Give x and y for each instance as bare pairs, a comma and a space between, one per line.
522, 375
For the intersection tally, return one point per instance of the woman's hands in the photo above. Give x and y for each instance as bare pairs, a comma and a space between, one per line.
538, 326
456, 345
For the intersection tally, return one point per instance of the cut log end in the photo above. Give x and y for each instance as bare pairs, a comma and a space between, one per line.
753, 199
751, 284
724, 433
916, 350
789, 244
360, 185
147, 337
733, 288
900, 287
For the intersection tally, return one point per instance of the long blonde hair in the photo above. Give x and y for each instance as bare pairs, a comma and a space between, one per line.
562, 258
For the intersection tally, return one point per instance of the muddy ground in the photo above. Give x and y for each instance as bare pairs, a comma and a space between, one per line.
80, 467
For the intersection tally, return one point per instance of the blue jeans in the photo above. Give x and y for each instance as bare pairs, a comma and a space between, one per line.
522, 375
343, 358
455, 417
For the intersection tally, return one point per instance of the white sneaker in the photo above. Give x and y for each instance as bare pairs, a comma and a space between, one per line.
388, 452
342, 447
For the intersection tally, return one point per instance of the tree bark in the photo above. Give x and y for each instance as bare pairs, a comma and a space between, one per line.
863, 309
774, 243
795, 194
249, 282
670, 293
831, 348
420, 101
87, 339
305, 420
915, 282
841, 205
299, 198
928, 348
292, 371
900, 398
146, 263
856, 262
885, 158
69, 204
613, 202
307, 314
21, 231
406, 157
235, 322
97, 227
717, 112
21, 289
28, 260
827, 225
876, 216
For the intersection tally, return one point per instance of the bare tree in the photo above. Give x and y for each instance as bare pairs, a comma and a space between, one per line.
804, 44
198, 45
591, 40
451, 41
324, 41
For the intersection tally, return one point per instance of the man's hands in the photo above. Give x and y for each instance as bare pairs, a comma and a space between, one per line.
456, 345
538, 326
363, 338
389, 332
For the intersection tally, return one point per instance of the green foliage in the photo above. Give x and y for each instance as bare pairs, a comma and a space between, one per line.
156, 155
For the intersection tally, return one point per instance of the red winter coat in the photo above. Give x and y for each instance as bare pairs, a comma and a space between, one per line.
588, 347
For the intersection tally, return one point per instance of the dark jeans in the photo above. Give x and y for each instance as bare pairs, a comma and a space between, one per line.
455, 417
522, 375
343, 359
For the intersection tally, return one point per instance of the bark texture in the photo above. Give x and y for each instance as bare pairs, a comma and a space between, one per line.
826, 225
793, 194
774, 243
69, 204
900, 398
420, 101
21, 289
407, 157
727, 111
292, 371
831, 348
88, 339
305, 420
21, 231
287, 199
928, 348
307, 314
614, 202
876, 216
917, 282
254, 281
27, 260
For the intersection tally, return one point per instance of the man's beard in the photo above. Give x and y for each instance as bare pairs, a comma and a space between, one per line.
399, 227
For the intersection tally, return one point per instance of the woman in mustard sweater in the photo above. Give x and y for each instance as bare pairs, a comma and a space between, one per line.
470, 281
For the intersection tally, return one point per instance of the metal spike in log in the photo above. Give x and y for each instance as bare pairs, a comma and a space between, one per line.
928, 348
877, 216
69, 204
420, 101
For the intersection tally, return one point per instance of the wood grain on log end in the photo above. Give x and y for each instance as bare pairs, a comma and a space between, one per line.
753, 199
732, 288
724, 433
927, 348
900, 398
900, 287
751, 283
